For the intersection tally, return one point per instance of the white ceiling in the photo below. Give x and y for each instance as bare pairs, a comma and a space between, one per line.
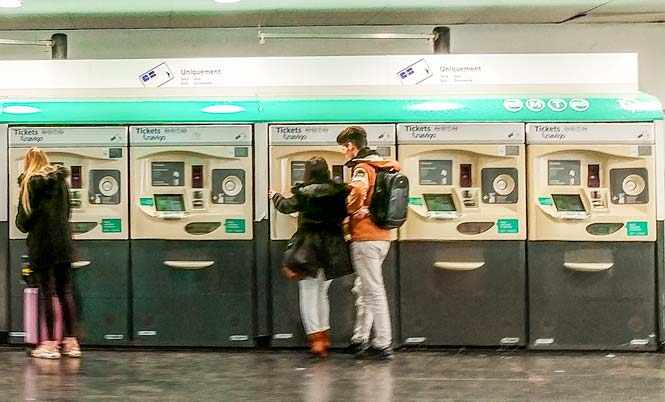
90, 14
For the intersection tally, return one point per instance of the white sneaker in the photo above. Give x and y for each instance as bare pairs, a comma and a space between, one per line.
44, 351
71, 348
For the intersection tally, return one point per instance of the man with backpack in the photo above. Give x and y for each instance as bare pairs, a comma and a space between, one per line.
370, 244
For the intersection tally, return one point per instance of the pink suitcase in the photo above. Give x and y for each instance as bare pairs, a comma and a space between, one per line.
34, 321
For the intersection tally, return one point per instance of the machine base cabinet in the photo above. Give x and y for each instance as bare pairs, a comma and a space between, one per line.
592, 295
287, 328
456, 293
193, 293
101, 280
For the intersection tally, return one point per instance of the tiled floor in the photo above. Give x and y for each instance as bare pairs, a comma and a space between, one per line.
292, 376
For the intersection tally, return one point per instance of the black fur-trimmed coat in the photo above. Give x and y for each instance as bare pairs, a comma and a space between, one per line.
319, 241
49, 235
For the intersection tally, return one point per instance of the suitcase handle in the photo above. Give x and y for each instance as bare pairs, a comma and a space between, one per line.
588, 266
192, 265
80, 264
459, 266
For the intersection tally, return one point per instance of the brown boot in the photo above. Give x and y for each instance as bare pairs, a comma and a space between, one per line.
318, 344
326, 338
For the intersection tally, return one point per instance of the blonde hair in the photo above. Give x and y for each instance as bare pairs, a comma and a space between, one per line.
36, 163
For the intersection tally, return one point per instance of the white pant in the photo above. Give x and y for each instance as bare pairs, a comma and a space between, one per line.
371, 302
314, 305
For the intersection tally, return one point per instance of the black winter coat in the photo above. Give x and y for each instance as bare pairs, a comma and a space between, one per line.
319, 242
49, 235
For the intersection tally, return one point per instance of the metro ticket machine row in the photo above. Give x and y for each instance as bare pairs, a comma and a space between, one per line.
592, 217
192, 231
290, 147
462, 249
97, 160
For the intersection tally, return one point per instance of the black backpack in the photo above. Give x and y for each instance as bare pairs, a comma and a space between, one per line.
390, 199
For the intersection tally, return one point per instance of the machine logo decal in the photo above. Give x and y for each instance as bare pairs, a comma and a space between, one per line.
156, 76
637, 228
415, 73
557, 105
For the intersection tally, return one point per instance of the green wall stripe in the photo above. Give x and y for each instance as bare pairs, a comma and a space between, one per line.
636, 107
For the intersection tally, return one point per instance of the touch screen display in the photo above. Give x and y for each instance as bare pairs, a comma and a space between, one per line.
563, 173
436, 172
439, 202
297, 172
168, 174
169, 202
568, 202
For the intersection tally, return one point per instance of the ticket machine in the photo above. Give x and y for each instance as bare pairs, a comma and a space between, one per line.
96, 158
290, 147
192, 250
462, 248
591, 251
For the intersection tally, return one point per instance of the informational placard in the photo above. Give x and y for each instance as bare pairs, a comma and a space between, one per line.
612, 71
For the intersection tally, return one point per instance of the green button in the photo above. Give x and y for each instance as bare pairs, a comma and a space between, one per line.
637, 228
234, 226
545, 201
111, 225
147, 201
508, 225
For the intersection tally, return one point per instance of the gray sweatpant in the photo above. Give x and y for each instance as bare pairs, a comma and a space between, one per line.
372, 309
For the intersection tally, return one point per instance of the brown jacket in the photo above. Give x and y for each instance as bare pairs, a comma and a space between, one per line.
363, 179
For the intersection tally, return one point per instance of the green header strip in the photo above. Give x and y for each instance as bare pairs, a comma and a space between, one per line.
629, 108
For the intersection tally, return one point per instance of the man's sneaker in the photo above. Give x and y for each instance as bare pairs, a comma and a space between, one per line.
45, 352
355, 347
374, 353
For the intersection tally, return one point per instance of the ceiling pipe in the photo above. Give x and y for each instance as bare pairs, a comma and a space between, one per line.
442, 40
384, 35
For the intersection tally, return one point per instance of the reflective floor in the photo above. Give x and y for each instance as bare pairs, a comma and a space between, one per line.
291, 376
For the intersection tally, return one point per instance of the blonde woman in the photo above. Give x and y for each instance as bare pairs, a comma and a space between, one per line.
43, 214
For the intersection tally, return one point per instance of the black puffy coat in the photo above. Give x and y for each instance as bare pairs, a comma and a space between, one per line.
319, 241
49, 235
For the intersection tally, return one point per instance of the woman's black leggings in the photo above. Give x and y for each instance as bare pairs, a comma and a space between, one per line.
56, 282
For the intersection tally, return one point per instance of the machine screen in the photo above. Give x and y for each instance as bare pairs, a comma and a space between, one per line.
568, 202
169, 202
563, 173
168, 174
436, 172
439, 202
297, 172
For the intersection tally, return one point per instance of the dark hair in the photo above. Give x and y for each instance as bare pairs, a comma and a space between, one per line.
316, 171
355, 135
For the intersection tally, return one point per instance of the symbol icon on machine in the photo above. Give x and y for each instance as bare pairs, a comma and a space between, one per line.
513, 105
557, 105
579, 105
415, 73
535, 104
156, 76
